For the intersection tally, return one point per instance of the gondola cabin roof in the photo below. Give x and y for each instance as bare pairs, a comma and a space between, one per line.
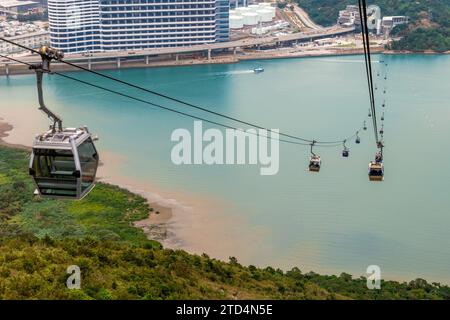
375, 165
62, 139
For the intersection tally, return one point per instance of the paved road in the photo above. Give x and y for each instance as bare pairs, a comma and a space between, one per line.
205, 47
294, 18
248, 42
306, 20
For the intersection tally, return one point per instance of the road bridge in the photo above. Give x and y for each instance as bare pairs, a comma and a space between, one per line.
208, 49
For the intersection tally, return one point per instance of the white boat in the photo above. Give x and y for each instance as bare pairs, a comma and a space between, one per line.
258, 70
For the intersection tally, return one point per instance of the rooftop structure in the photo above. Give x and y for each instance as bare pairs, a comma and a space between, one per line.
61, 140
349, 17
390, 22
15, 6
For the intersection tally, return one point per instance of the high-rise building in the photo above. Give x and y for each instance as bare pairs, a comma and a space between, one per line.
222, 20
103, 25
75, 25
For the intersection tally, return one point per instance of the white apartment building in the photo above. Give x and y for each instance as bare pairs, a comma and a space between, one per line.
105, 25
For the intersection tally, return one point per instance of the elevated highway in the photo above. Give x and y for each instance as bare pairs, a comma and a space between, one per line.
146, 55
243, 43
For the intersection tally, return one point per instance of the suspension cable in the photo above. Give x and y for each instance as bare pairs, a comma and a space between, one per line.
167, 108
175, 99
367, 58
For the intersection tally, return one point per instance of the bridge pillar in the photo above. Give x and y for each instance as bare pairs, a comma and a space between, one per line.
234, 51
118, 63
146, 60
7, 69
209, 54
89, 64
177, 57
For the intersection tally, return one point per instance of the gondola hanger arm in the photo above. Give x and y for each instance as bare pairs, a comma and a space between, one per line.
47, 55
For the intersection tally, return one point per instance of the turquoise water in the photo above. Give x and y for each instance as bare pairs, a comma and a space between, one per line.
333, 221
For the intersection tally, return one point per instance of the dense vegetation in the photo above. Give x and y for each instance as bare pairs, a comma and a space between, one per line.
107, 214
39, 239
422, 39
429, 27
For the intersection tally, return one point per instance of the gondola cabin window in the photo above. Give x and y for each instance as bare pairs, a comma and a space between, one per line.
89, 163
55, 172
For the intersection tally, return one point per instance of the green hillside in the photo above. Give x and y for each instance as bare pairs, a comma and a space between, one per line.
39, 239
429, 27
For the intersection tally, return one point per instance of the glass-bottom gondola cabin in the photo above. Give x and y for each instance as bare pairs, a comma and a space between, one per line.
376, 171
64, 164
314, 163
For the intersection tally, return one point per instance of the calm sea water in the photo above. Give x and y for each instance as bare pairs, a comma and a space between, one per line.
333, 221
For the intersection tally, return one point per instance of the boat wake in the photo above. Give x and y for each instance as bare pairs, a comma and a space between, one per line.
345, 61
234, 73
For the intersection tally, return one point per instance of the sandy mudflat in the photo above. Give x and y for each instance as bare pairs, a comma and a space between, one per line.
190, 222
5, 128
155, 226
185, 221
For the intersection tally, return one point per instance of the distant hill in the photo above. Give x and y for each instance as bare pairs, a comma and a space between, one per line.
429, 27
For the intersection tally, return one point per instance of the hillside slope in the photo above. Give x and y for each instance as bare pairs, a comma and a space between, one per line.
430, 20
39, 239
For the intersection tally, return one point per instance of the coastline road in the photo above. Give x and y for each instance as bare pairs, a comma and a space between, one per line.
207, 48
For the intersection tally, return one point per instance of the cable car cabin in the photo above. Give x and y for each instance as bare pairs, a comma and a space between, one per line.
376, 171
64, 163
345, 152
314, 163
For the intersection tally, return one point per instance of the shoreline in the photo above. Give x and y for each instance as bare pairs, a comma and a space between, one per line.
230, 58
155, 226
5, 127
165, 217
163, 222
406, 52
190, 222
